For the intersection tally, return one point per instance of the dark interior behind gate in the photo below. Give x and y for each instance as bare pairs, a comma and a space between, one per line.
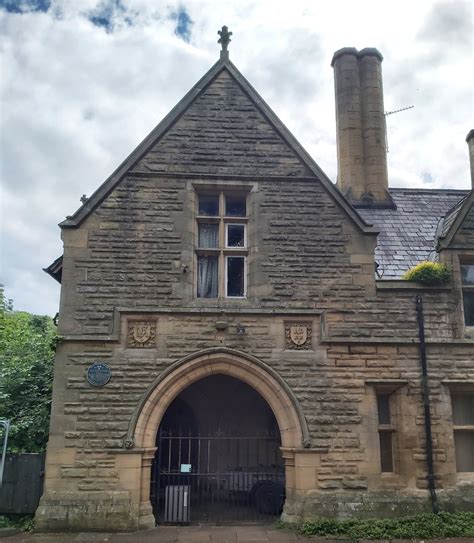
218, 456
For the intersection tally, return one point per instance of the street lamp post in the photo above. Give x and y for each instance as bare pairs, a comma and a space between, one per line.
6, 425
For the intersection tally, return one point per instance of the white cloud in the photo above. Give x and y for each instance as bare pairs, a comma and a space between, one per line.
77, 99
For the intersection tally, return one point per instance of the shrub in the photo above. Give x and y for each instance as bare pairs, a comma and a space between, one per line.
423, 526
25, 523
430, 273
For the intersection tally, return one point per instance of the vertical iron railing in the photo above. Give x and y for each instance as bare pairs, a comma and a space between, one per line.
216, 478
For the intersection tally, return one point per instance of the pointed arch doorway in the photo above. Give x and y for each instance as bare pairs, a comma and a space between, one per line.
202, 395
218, 456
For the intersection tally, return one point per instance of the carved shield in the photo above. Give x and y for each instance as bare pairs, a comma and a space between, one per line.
142, 332
298, 334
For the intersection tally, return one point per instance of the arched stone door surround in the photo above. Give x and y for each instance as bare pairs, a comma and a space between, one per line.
164, 389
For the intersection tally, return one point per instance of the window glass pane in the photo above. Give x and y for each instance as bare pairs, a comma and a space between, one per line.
207, 277
209, 205
235, 206
463, 409
208, 236
235, 235
467, 274
235, 276
468, 298
383, 406
464, 443
386, 455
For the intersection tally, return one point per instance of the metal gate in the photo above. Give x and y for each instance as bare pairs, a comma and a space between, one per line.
217, 478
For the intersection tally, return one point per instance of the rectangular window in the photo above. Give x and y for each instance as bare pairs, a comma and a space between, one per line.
467, 280
235, 206
208, 276
208, 235
221, 246
235, 283
463, 427
209, 205
386, 431
235, 235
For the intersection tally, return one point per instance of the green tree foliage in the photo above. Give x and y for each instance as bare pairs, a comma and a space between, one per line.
27, 344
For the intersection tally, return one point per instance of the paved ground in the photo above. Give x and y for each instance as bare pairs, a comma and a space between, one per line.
189, 534
170, 534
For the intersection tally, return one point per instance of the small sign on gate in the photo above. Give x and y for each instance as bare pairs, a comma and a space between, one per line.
185, 468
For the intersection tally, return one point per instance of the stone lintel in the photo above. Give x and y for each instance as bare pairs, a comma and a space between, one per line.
386, 385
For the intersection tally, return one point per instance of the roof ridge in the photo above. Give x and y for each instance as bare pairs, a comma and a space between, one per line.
413, 189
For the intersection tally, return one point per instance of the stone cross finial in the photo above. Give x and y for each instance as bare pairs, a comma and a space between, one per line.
224, 40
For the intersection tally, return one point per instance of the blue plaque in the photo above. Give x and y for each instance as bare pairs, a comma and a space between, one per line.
98, 374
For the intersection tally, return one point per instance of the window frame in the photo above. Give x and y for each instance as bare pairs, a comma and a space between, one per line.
456, 393
226, 257
465, 261
223, 251
226, 227
198, 246
386, 429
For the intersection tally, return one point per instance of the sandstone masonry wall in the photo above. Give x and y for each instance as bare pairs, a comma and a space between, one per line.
133, 258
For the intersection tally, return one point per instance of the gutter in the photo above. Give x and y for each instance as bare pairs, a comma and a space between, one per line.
426, 404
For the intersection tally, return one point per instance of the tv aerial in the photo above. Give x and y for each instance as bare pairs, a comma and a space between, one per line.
387, 113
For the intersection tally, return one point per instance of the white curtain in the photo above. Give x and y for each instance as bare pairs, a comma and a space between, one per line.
207, 265
208, 236
207, 277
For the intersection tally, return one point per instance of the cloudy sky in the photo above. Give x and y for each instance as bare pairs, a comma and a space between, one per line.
84, 81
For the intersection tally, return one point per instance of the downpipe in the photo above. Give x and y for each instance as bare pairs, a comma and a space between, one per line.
426, 404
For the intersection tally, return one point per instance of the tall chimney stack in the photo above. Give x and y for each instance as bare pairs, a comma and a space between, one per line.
360, 123
470, 143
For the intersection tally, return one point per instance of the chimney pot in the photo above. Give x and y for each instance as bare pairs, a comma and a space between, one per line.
343, 51
370, 52
360, 123
470, 143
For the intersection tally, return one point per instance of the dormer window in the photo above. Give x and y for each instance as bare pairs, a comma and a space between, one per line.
222, 247
467, 281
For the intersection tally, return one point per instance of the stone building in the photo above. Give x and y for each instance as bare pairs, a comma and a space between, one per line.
237, 341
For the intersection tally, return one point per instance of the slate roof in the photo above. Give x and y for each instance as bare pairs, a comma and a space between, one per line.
450, 217
408, 234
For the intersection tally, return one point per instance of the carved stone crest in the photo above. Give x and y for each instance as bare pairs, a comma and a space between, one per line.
298, 335
142, 334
